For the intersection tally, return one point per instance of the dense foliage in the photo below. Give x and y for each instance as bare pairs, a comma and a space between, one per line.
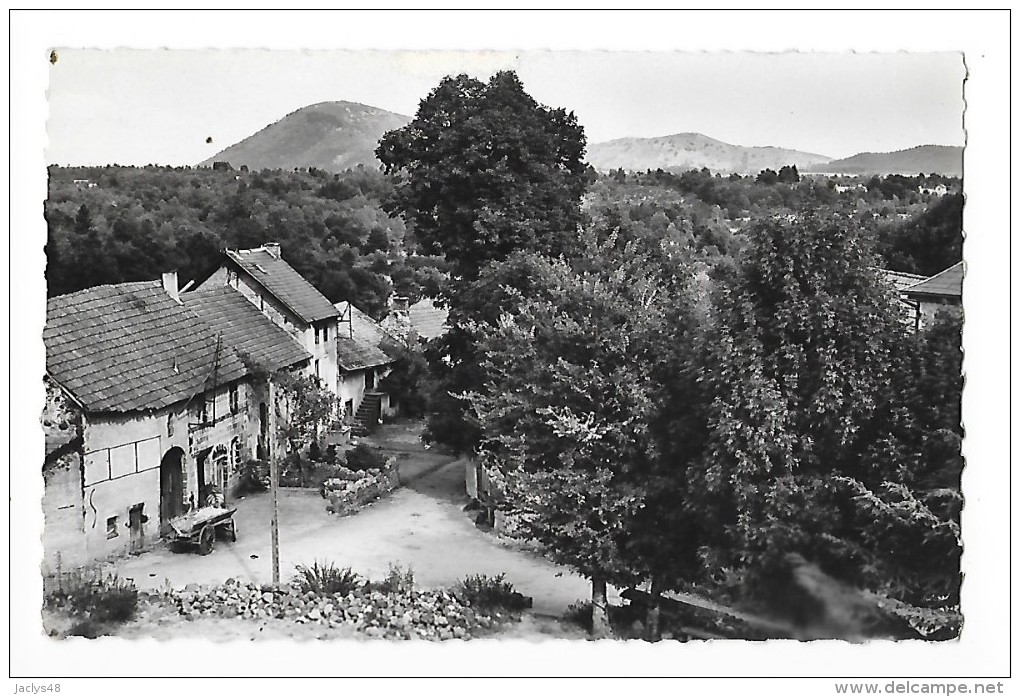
483, 171
115, 224
575, 371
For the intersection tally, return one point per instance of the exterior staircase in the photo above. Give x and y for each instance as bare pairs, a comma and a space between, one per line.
367, 417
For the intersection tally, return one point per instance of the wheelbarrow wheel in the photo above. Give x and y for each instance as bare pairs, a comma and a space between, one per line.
206, 540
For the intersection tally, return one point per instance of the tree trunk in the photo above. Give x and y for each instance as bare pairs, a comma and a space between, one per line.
599, 609
653, 629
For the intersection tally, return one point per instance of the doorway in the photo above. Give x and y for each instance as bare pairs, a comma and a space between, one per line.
136, 524
171, 488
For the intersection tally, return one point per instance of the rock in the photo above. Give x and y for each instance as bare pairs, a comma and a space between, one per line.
267, 597
192, 588
230, 582
328, 609
314, 614
459, 632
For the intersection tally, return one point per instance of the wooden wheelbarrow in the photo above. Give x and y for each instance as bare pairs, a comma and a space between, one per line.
198, 527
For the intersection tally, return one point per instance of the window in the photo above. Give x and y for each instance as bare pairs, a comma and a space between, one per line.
205, 411
235, 453
317, 368
111, 527
325, 334
170, 419
317, 340
235, 400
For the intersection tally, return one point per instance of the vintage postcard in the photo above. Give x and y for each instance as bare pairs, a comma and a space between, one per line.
657, 349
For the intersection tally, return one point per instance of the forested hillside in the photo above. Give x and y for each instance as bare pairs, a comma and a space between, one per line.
115, 224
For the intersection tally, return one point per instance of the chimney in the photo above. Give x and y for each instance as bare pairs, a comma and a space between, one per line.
170, 286
273, 248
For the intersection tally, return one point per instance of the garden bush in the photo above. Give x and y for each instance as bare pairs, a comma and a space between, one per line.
95, 597
398, 580
363, 457
253, 476
327, 579
491, 593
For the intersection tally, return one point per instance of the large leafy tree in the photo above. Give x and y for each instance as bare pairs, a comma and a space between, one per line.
575, 372
803, 362
485, 170
930, 243
482, 172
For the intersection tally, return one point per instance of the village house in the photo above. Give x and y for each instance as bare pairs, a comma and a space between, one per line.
153, 397
365, 355
289, 300
144, 405
944, 290
262, 346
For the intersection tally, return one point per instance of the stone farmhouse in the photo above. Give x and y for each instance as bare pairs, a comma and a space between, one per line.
149, 402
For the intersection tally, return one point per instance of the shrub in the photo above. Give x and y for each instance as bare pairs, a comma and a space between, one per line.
491, 593
579, 614
362, 457
315, 451
327, 579
397, 580
96, 597
253, 476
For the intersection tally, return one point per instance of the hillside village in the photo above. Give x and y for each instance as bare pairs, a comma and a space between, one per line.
169, 399
494, 387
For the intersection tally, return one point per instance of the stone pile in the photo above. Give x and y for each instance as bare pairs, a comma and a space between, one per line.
434, 615
349, 490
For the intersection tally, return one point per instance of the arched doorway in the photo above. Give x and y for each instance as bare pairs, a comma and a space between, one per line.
171, 487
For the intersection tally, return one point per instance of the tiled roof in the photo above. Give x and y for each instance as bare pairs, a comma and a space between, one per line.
357, 325
283, 282
352, 354
245, 328
902, 280
130, 347
428, 320
945, 284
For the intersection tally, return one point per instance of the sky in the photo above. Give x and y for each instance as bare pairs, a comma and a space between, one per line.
137, 107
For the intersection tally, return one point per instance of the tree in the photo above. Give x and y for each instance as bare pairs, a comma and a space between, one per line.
304, 408
575, 373
485, 170
788, 174
930, 243
799, 363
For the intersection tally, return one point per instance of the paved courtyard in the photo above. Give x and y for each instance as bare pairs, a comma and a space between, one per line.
421, 525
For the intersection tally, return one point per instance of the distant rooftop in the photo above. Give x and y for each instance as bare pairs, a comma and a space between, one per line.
428, 320
267, 267
902, 280
945, 284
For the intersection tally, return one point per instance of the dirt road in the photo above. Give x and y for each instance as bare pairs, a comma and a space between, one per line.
421, 525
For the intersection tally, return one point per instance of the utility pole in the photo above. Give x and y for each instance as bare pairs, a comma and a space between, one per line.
274, 482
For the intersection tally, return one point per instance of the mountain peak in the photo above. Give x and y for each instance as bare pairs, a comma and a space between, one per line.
332, 136
684, 151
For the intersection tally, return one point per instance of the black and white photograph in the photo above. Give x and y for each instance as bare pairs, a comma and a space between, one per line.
466, 358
